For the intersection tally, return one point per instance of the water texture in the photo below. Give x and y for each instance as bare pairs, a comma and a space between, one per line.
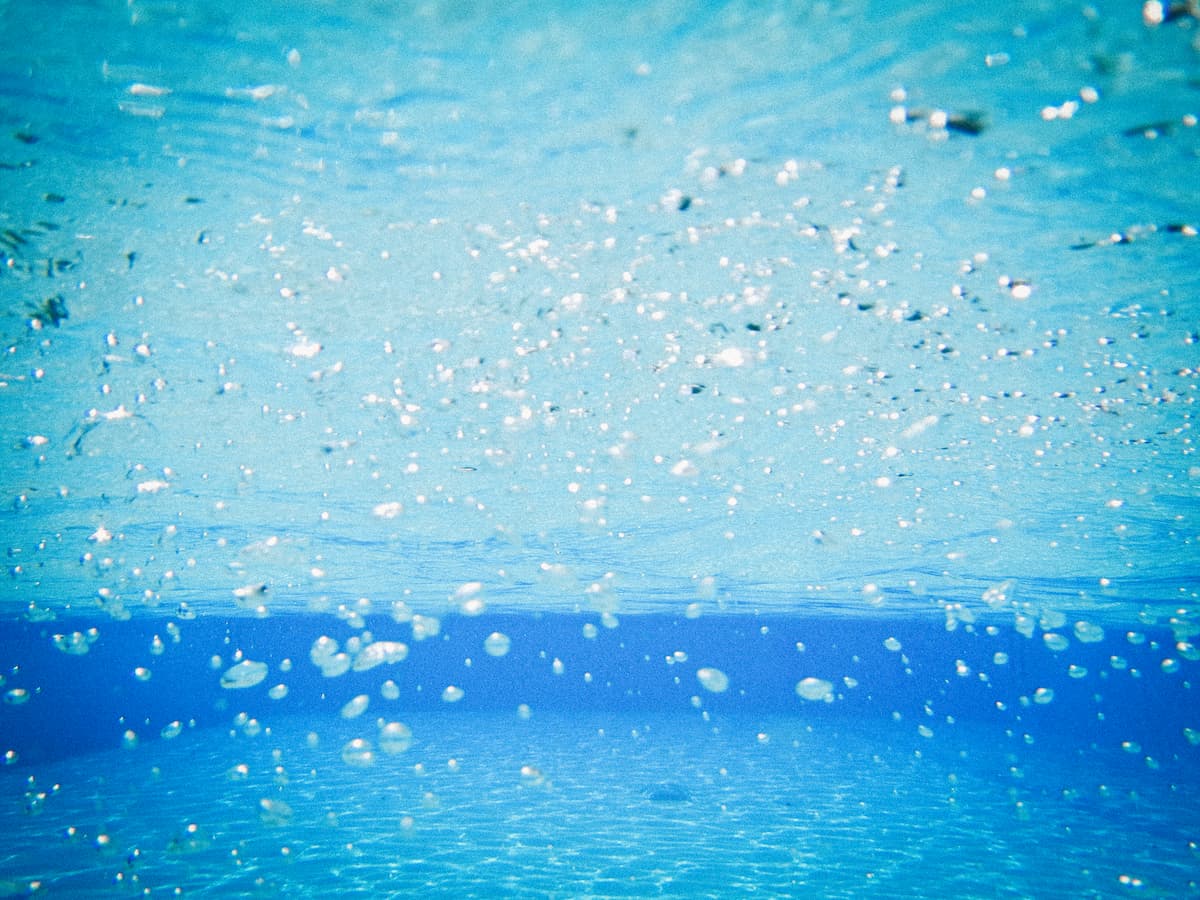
682, 449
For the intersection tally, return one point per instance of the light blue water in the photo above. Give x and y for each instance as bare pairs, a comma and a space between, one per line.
804, 391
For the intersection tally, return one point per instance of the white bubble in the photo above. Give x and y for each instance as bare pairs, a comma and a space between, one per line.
323, 649
355, 707
389, 690
278, 692
1056, 642
425, 627
141, 673
1043, 695
815, 689
388, 510
1087, 633
16, 697
173, 730
379, 653
497, 644
73, 644
338, 664
395, 737
244, 674
712, 679
452, 694
358, 752
274, 811
892, 644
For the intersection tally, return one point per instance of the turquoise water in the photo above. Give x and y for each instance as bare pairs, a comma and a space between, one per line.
598, 450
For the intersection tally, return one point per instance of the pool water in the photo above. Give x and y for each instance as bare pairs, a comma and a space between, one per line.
591, 450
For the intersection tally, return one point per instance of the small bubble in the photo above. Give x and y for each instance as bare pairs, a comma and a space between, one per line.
815, 689
892, 644
355, 707
394, 738
497, 644
244, 675
273, 811
713, 680
452, 694
1055, 641
358, 752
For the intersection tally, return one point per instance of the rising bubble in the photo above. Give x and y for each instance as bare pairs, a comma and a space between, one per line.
394, 737
379, 653
355, 707
1056, 642
358, 752
244, 674
497, 644
712, 679
815, 689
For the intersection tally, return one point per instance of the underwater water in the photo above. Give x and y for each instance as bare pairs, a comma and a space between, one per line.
599, 450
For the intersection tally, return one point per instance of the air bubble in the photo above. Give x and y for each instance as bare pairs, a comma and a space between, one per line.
378, 654
815, 689
1087, 633
74, 644
713, 679
1055, 641
358, 752
394, 738
355, 707
892, 644
452, 694
497, 644
244, 675
274, 811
